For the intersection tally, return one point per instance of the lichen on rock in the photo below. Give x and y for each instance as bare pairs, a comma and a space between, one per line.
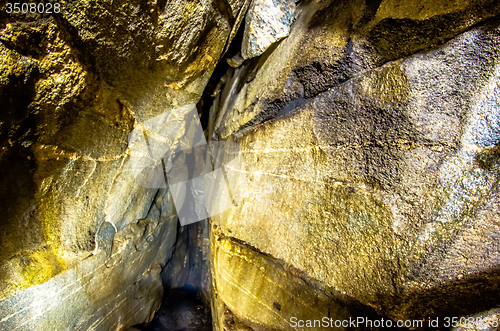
73, 85
370, 136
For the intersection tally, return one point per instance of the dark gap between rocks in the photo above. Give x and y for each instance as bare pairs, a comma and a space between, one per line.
186, 273
218, 79
185, 279
183, 310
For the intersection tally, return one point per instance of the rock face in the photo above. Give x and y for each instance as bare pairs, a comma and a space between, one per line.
370, 134
82, 246
267, 21
370, 137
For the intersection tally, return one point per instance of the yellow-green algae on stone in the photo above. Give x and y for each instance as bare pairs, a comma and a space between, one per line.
296, 212
34, 268
35, 253
260, 292
367, 158
73, 86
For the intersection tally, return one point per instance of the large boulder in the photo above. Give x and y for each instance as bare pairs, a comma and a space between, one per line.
370, 137
82, 245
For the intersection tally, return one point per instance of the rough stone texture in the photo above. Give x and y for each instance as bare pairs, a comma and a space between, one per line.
107, 291
483, 321
332, 41
372, 168
370, 137
240, 274
267, 22
189, 260
168, 48
73, 85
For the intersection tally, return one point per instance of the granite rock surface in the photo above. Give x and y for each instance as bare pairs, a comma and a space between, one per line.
370, 133
370, 137
82, 245
267, 22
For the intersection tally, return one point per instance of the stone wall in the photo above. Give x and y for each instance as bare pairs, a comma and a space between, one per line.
370, 136
369, 131
82, 246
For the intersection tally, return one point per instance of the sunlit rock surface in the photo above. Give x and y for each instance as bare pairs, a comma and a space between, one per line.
284, 292
370, 138
82, 245
331, 42
107, 291
267, 22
